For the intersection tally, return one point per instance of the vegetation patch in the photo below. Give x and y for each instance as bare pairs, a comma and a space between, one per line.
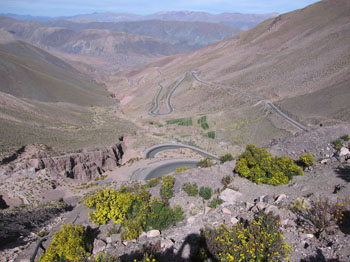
226, 158
211, 134
338, 144
180, 122
203, 122
259, 166
136, 211
190, 188
215, 202
205, 192
68, 244
167, 188
205, 163
307, 160
182, 169
258, 240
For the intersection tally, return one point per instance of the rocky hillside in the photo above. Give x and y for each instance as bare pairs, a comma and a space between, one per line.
241, 200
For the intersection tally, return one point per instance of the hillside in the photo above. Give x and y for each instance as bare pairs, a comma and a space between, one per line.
45, 100
187, 34
295, 55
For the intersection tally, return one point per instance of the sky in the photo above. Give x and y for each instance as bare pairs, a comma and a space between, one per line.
73, 7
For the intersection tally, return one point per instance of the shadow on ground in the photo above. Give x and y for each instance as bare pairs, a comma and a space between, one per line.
319, 257
343, 172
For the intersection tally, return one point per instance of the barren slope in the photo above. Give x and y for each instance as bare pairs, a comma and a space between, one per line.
295, 54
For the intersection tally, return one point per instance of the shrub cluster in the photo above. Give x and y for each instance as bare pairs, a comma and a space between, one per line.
346, 138
205, 163
205, 192
215, 202
190, 189
258, 240
153, 182
337, 144
70, 243
167, 188
226, 158
307, 160
182, 169
258, 165
137, 212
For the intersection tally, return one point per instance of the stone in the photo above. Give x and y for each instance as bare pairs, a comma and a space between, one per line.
226, 211
166, 244
191, 220
272, 209
24, 260
325, 161
234, 221
261, 206
108, 240
230, 196
115, 238
99, 246
153, 233
344, 151
280, 199
264, 198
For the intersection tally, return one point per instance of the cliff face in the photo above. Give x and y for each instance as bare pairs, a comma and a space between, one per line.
84, 165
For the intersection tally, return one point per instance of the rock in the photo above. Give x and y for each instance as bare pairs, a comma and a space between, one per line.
344, 151
191, 220
272, 209
108, 240
166, 244
248, 205
230, 196
280, 199
264, 198
226, 211
153, 233
325, 161
115, 238
99, 246
24, 260
143, 235
234, 221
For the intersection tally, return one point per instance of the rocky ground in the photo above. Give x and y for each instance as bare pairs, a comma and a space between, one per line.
328, 179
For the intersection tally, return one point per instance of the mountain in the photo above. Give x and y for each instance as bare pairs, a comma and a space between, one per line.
236, 20
110, 50
45, 100
188, 34
297, 60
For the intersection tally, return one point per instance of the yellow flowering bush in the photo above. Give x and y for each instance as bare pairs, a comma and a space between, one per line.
70, 243
259, 166
307, 160
258, 240
167, 188
137, 212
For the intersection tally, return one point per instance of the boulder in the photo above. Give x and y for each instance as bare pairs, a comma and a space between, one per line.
234, 221
99, 246
230, 196
344, 151
153, 233
226, 211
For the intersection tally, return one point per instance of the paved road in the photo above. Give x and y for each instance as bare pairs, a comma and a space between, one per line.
155, 109
162, 168
266, 101
154, 150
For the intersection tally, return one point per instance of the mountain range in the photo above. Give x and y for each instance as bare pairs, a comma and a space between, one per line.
236, 20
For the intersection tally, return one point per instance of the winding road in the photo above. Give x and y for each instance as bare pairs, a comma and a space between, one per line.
155, 109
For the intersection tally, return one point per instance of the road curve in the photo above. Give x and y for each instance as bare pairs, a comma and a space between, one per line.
162, 168
155, 109
154, 150
266, 101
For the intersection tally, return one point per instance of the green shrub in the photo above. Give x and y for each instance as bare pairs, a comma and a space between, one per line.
215, 202
162, 215
307, 160
258, 165
190, 189
337, 144
211, 134
69, 243
205, 192
226, 158
226, 180
182, 169
258, 240
180, 122
345, 137
153, 182
43, 234
167, 189
205, 163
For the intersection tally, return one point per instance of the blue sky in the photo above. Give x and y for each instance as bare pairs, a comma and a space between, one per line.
72, 7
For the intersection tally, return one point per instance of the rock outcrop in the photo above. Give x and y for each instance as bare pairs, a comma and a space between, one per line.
84, 165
